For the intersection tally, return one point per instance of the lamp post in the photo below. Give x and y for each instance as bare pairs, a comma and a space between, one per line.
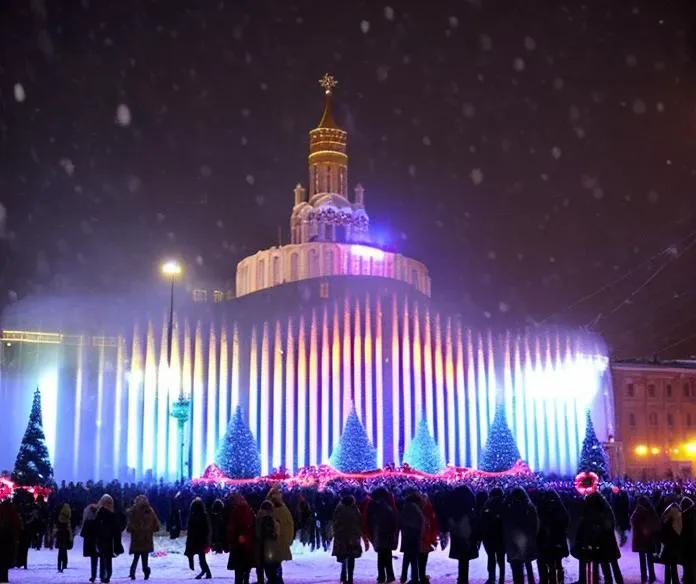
180, 408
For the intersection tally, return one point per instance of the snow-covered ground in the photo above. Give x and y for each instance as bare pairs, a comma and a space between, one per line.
307, 567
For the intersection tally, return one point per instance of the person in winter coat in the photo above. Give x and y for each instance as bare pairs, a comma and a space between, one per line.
198, 536
347, 525
24, 505
143, 523
240, 538
64, 536
10, 530
595, 541
645, 525
431, 530
520, 530
552, 539
89, 538
286, 531
621, 505
492, 534
383, 532
670, 536
464, 531
267, 532
217, 525
412, 527
108, 537
174, 519
688, 540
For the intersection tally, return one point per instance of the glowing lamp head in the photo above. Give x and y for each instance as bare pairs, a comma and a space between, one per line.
654, 451
171, 269
691, 448
641, 450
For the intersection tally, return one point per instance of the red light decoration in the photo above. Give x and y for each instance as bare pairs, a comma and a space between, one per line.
586, 483
323, 474
8, 488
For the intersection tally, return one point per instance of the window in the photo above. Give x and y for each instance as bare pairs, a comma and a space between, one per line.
686, 389
652, 419
328, 263
631, 419
324, 290
630, 390
200, 295
651, 390
276, 270
260, 275
313, 263
218, 296
670, 420
688, 419
668, 390
294, 267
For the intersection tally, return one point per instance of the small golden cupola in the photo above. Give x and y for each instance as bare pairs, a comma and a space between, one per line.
327, 213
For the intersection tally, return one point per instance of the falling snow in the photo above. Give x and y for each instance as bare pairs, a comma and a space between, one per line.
19, 93
123, 115
365, 26
477, 176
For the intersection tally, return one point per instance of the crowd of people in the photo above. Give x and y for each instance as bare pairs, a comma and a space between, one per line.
513, 522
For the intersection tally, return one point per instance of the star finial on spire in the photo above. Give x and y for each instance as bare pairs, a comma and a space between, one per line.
328, 82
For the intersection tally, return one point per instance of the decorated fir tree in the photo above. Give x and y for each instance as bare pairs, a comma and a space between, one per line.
501, 452
354, 451
238, 455
423, 453
593, 458
33, 465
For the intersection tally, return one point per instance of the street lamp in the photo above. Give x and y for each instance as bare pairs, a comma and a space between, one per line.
181, 407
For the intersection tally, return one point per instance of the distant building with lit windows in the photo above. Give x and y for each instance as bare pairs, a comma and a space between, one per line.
326, 323
655, 405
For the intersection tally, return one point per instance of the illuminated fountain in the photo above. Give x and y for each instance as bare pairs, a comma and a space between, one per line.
319, 325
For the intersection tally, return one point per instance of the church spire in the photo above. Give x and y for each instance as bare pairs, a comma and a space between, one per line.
328, 161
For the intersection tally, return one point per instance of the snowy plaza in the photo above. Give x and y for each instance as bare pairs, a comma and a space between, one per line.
316, 567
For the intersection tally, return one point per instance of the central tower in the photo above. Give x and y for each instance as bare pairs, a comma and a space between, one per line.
328, 160
328, 214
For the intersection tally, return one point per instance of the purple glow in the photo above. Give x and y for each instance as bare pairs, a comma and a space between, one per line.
365, 251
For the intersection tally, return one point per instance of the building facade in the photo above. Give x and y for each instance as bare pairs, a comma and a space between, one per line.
656, 416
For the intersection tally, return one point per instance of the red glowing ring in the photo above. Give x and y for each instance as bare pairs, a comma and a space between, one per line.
586, 483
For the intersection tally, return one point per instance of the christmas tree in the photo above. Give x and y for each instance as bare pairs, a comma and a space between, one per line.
238, 456
33, 466
501, 452
423, 453
592, 457
354, 451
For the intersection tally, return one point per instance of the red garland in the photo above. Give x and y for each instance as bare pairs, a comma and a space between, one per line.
8, 488
324, 473
586, 483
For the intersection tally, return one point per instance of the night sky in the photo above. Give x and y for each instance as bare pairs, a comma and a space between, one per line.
539, 156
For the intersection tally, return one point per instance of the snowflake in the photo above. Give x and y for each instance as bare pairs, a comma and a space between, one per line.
382, 73
123, 115
503, 307
476, 176
412, 169
199, 260
365, 26
518, 64
639, 106
468, 110
389, 13
486, 42
260, 200
660, 107
556, 152
598, 193
243, 141
19, 93
453, 22
206, 171
529, 43
250, 179
558, 83
68, 166
491, 255
653, 196
426, 141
